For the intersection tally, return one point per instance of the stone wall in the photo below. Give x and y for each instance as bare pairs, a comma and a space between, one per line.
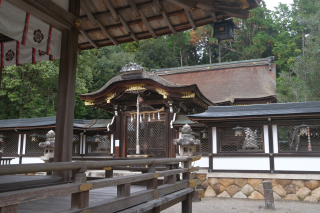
246, 188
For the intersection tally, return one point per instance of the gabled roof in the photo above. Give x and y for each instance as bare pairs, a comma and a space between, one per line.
51, 121
227, 82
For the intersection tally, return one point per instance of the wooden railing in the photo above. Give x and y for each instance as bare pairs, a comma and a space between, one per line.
154, 199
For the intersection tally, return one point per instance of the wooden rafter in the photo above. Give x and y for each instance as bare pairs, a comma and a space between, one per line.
105, 31
190, 19
143, 18
85, 34
119, 17
95, 22
214, 17
112, 10
166, 18
128, 29
185, 4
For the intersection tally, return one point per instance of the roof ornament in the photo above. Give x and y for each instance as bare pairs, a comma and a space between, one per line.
131, 67
270, 60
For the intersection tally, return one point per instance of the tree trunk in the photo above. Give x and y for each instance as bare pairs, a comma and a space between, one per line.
210, 54
0, 75
181, 58
219, 52
303, 38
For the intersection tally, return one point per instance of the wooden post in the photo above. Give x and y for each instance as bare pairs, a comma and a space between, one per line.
123, 190
0, 75
80, 200
187, 204
9, 209
108, 172
66, 93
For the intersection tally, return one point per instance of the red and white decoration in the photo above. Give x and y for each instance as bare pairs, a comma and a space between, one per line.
35, 40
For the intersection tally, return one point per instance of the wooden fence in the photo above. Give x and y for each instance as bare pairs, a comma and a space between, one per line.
154, 199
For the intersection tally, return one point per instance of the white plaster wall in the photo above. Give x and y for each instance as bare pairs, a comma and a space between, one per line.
14, 161
297, 163
275, 138
241, 163
203, 162
214, 139
26, 160
111, 140
266, 138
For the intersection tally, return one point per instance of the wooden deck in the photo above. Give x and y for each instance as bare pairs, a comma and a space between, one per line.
15, 182
57, 204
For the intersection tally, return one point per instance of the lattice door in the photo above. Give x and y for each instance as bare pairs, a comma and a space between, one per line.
152, 136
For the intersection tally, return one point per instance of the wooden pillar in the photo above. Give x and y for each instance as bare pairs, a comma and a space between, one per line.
66, 93
9, 209
0, 76
80, 200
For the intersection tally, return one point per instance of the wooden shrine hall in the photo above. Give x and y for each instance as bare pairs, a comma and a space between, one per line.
167, 96
36, 30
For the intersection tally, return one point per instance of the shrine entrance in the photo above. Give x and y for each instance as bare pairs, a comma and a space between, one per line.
152, 134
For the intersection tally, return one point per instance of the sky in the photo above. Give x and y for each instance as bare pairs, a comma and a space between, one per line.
273, 3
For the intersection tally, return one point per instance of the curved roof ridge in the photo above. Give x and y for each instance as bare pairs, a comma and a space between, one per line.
145, 75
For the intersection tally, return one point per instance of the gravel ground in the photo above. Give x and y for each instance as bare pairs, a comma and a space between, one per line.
227, 205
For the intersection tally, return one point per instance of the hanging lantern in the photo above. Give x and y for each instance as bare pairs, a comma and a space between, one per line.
75, 138
224, 30
2, 138
238, 131
34, 137
204, 134
97, 138
303, 129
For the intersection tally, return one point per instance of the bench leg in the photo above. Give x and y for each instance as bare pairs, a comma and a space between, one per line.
9, 209
187, 204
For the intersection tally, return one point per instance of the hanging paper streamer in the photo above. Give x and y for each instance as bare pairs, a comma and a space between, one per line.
149, 118
140, 118
131, 118
158, 116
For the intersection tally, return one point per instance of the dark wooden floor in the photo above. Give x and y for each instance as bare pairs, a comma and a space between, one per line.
54, 204
57, 204
9, 182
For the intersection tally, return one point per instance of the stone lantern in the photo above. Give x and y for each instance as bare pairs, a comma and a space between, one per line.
48, 146
186, 142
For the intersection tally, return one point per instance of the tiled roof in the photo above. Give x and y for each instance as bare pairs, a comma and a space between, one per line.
49, 121
260, 110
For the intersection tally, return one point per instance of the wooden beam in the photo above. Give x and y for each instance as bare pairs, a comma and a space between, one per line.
190, 19
94, 22
185, 4
166, 18
48, 12
143, 18
214, 17
128, 29
134, 7
105, 31
66, 93
84, 33
112, 10
87, 11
